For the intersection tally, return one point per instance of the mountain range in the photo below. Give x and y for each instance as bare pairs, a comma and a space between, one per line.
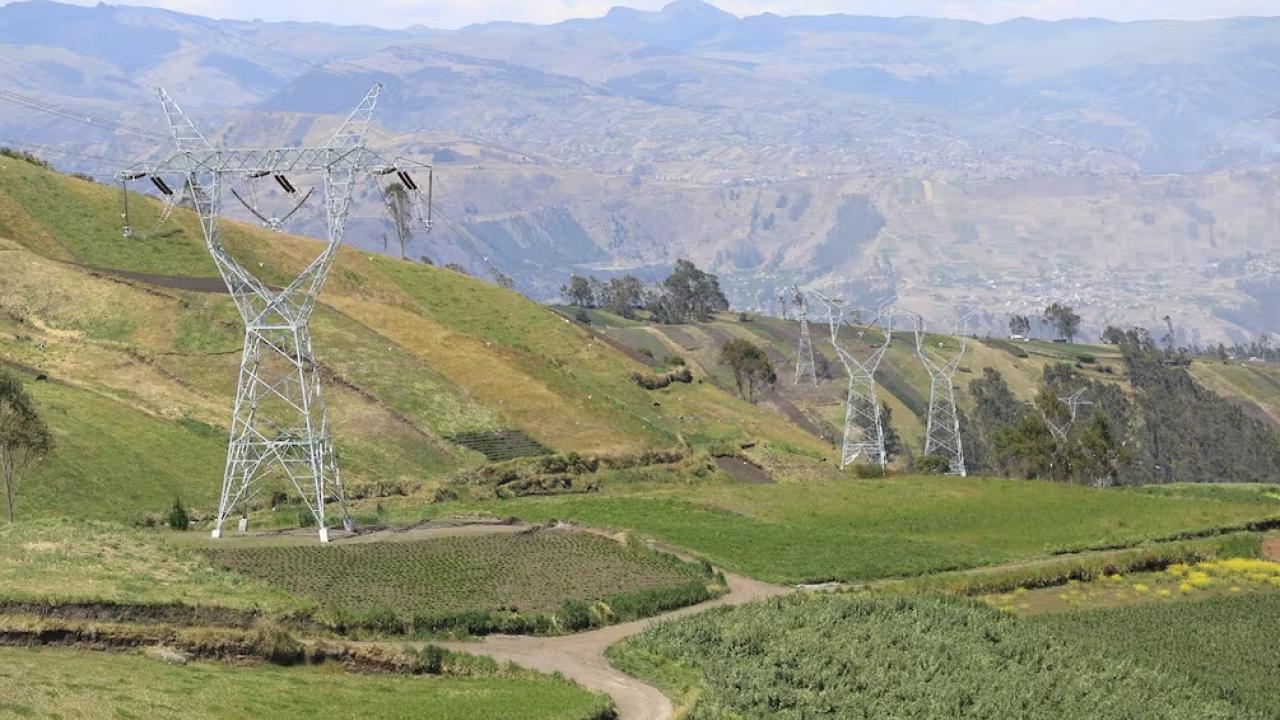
1128, 169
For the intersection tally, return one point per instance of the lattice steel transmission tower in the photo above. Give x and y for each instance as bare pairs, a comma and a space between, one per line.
279, 421
942, 431
805, 367
1073, 403
863, 430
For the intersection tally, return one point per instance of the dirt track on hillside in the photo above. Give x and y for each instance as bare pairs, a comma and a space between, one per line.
581, 657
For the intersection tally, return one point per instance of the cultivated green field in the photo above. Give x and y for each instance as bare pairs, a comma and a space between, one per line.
1225, 645
911, 659
868, 529
61, 683
424, 582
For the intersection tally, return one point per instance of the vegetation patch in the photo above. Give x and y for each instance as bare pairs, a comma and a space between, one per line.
1179, 581
1057, 572
894, 527
907, 658
1225, 647
91, 685
99, 565
499, 445
474, 584
557, 474
658, 382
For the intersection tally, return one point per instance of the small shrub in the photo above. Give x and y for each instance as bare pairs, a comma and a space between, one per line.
582, 316
674, 360
867, 471
574, 615
933, 465
305, 518
431, 660
645, 352
382, 620
744, 317
1087, 359
178, 519
274, 644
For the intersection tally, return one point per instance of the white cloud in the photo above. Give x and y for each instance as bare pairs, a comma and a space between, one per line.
456, 13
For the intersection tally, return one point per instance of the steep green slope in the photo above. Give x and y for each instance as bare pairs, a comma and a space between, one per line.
142, 369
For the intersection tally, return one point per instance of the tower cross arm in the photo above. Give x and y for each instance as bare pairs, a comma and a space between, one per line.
269, 161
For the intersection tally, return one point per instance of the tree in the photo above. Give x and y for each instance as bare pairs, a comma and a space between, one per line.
1025, 450
400, 208
578, 292
892, 443
751, 367
1063, 319
994, 406
24, 438
688, 294
623, 295
1020, 325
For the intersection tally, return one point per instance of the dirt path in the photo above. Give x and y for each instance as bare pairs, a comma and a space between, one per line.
581, 657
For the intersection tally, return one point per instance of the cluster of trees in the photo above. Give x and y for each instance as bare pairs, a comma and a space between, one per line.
1166, 429
688, 294
620, 296
1046, 438
1062, 319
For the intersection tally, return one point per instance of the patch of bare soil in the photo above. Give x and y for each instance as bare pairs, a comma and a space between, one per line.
743, 471
1271, 548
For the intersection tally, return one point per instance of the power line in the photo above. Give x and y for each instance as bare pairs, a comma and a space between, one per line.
38, 149
34, 103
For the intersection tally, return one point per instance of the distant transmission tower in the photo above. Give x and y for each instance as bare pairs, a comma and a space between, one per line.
279, 421
1073, 402
942, 432
805, 367
863, 430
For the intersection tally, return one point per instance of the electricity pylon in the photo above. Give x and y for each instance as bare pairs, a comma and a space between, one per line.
942, 431
805, 367
863, 430
1073, 403
279, 420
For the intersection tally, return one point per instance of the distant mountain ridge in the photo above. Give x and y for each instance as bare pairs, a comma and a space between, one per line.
1009, 162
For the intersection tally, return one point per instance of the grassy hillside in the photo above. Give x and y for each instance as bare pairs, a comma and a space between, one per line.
141, 371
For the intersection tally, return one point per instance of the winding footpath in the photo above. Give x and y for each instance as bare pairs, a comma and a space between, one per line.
581, 657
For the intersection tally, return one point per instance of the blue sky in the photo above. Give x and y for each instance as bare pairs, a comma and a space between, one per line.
456, 13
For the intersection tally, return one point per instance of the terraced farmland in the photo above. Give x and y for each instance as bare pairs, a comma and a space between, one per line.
419, 581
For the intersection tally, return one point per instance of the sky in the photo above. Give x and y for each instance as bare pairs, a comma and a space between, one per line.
457, 13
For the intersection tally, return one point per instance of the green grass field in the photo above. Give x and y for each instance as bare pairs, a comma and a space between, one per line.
61, 561
526, 573
868, 529
63, 683
909, 658
1225, 645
